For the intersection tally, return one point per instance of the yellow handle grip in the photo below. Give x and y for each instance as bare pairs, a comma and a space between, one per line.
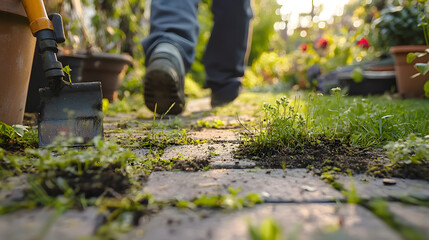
37, 16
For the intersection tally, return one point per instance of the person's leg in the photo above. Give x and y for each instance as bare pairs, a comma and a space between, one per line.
170, 51
225, 54
174, 22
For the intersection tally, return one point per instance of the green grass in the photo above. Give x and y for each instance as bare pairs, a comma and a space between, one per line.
366, 122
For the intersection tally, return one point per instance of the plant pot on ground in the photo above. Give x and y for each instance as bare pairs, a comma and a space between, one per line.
100, 40
16, 56
399, 30
372, 83
107, 68
409, 86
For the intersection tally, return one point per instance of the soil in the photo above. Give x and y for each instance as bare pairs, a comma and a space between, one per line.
13, 147
334, 155
412, 171
190, 165
92, 183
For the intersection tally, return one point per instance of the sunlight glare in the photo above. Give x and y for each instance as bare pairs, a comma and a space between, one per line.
291, 9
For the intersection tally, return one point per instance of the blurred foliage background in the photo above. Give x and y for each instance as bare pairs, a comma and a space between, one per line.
278, 53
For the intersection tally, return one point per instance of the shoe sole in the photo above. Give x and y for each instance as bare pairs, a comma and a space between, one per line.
161, 89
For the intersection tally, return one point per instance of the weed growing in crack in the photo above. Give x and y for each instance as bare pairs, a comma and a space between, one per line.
17, 137
228, 201
210, 124
411, 150
122, 213
282, 126
63, 175
162, 139
352, 194
269, 229
172, 123
381, 209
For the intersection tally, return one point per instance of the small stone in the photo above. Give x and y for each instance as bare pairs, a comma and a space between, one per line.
389, 181
308, 188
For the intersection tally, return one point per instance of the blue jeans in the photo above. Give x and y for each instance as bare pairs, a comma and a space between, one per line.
175, 22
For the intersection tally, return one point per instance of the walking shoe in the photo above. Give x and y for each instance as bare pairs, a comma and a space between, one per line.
224, 94
164, 81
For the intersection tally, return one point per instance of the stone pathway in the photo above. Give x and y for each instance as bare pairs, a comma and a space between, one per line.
302, 204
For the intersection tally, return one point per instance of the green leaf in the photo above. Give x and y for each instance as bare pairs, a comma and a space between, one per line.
423, 68
185, 204
357, 75
20, 129
67, 71
426, 88
105, 105
254, 198
411, 57
416, 75
6, 130
270, 229
419, 55
207, 201
234, 191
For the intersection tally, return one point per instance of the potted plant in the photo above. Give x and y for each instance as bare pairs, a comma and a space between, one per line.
422, 67
100, 42
16, 55
399, 29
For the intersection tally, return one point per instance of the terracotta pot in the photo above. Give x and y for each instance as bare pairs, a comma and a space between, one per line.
16, 56
107, 68
407, 86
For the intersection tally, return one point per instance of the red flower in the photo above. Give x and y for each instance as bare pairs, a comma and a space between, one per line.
303, 47
322, 43
363, 43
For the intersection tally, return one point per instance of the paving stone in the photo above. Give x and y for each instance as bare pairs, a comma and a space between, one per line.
12, 190
118, 117
370, 187
197, 105
228, 120
142, 152
297, 221
220, 154
414, 216
227, 135
274, 185
34, 224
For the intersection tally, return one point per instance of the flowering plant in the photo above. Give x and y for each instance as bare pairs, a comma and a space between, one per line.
363, 43
322, 43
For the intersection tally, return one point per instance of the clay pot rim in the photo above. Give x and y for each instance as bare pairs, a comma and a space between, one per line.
70, 55
107, 56
12, 7
408, 48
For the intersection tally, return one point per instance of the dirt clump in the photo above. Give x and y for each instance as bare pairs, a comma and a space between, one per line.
319, 156
92, 182
180, 164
